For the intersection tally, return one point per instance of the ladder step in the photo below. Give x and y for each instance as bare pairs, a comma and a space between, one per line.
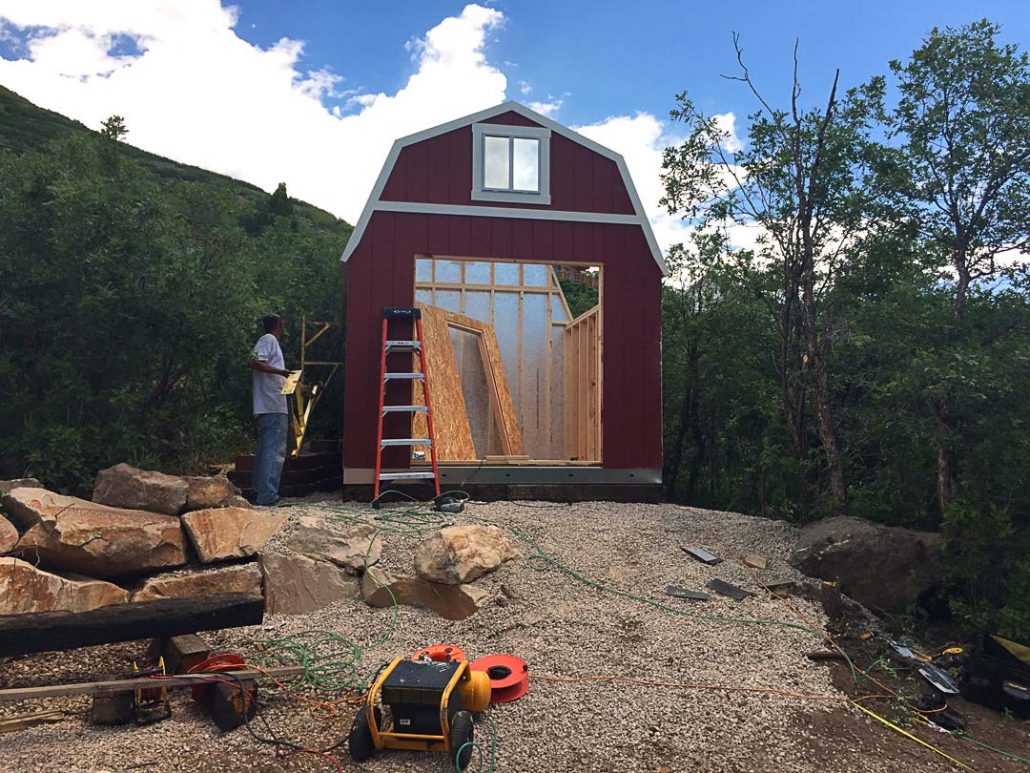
407, 376
406, 441
395, 345
404, 409
406, 475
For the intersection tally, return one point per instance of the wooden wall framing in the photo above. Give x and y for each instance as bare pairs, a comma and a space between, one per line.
583, 342
476, 287
453, 433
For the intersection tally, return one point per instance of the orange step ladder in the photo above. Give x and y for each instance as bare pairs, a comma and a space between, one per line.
414, 346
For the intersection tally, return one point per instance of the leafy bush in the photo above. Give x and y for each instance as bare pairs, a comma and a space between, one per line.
128, 307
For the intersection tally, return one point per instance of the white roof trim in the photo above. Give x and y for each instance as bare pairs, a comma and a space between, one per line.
374, 202
515, 213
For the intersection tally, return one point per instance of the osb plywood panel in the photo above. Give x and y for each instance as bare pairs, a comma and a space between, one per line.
504, 410
450, 421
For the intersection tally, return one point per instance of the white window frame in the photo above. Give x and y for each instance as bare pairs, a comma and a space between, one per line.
481, 193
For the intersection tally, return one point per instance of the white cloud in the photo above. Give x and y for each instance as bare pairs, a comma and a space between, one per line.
727, 123
641, 139
549, 108
193, 90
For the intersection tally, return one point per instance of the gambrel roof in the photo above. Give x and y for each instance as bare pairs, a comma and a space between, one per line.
375, 202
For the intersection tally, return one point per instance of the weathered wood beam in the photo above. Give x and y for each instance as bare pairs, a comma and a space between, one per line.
112, 686
43, 631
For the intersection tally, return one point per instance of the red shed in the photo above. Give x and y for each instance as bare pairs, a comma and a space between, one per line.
526, 246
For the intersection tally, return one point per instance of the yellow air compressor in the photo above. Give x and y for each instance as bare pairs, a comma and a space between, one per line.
421, 705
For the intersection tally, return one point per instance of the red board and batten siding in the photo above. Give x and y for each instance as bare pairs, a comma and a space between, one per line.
381, 272
439, 171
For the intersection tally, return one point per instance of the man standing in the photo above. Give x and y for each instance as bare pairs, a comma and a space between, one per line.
270, 412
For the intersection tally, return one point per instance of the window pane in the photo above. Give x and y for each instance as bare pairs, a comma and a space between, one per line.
527, 164
506, 273
423, 270
535, 275
448, 271
477, 273
495, 163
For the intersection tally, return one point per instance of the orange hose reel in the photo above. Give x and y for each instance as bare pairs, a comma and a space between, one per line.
441, 653
508, 675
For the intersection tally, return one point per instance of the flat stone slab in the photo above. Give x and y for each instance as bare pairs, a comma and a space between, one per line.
223, 533
8, 536
100, 541
243, 578
26, 506
297, 584
26, 589
126, 486
352, 548
451, 602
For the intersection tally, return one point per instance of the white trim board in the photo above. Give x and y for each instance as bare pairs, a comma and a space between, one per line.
375, 203
515, 213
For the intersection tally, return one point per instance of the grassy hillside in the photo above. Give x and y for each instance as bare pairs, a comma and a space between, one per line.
131, 287
25, 127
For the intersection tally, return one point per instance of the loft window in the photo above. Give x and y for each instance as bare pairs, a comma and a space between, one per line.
511, 164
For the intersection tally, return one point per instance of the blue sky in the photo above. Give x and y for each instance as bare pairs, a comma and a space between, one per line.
313, 92
614, 58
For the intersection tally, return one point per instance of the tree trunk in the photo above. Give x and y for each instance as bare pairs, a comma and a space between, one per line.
947, 488
828, 437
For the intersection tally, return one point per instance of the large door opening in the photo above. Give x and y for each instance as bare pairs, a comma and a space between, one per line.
514, 373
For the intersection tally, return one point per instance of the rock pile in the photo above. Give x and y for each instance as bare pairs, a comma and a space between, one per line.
149, 536
62, 553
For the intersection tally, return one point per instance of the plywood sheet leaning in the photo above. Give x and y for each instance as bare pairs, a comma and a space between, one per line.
450, 420
500, 394
454, 441
582, 387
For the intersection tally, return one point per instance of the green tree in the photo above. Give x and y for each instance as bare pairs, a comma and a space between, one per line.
963, 121
798, 180
114, 128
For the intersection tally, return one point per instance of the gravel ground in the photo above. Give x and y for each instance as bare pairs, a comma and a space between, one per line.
561, 627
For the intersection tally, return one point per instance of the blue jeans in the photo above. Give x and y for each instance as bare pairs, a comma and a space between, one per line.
271, 452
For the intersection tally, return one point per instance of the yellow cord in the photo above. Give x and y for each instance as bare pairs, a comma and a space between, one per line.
907, 734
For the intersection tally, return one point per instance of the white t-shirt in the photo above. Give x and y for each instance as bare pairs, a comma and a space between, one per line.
268, 395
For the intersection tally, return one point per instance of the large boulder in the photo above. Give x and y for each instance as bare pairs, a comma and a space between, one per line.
230, 532
8, 536
297, 584
28, 506
102, 541
451, 602
883, 567
352, 548
126, 486
458, 554
24, 588
10, 485
241, 578
204, 493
